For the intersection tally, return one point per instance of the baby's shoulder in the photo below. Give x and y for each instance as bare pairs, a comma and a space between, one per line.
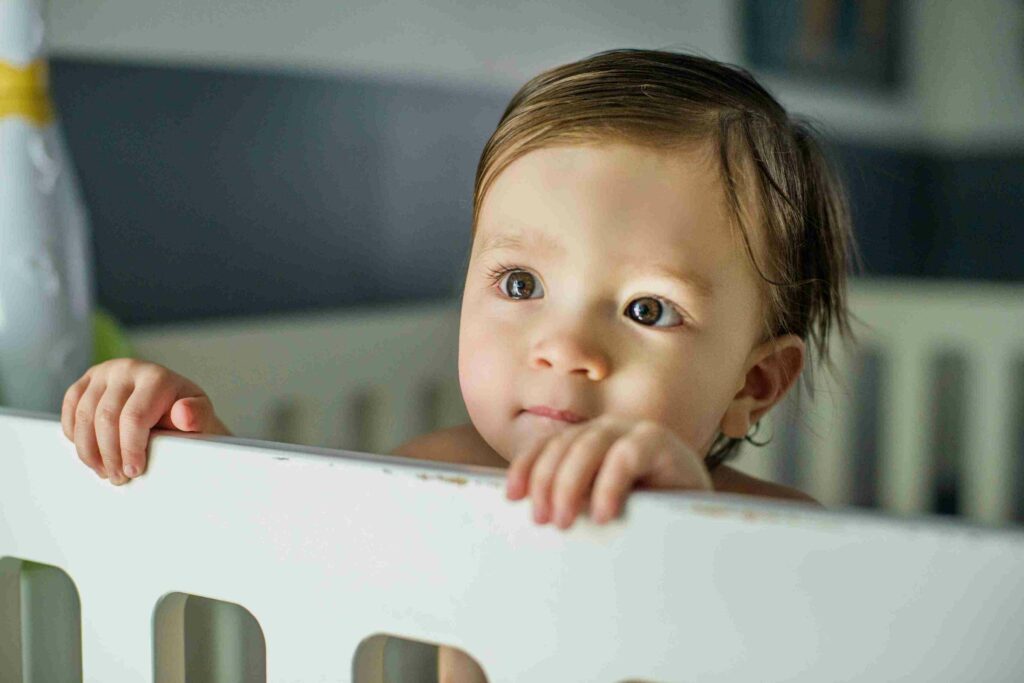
461, 445
729, 480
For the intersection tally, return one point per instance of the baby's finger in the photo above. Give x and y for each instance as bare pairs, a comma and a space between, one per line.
193, 414
85, 434
543, 472
575, 476
517, 477
70, 403
141, 413
107, 421
625, 464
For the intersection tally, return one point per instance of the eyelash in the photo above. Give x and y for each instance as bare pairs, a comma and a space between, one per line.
496, 273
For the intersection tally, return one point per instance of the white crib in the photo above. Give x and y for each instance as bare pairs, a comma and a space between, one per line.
335, 556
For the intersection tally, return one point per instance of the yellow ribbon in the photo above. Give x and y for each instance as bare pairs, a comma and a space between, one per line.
24, 91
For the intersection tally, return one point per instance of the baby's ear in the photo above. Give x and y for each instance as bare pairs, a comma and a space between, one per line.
772, 369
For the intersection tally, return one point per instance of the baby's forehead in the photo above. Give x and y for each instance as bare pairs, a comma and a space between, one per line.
620, 197
628, 183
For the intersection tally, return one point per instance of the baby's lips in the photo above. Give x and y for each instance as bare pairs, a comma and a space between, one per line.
556, 414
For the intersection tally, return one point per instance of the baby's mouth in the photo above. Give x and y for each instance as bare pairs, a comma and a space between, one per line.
554, 414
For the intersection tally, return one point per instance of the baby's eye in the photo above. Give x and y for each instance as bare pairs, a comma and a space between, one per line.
653, 312
516, 283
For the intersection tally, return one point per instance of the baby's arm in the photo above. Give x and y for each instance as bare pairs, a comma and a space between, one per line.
109, 412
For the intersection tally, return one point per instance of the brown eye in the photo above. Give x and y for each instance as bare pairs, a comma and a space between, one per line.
520, 284
649, 311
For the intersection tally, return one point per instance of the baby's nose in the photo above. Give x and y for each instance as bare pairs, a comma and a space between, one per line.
570, 355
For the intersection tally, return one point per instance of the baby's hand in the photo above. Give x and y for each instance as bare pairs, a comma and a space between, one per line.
604, 458
109, 412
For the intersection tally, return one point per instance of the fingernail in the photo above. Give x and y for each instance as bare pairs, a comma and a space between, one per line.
538, 514
562, 519
131, 471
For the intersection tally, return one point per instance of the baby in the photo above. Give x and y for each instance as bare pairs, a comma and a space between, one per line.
655, 243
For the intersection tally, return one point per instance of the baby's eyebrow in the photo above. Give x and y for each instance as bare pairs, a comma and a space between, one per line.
516, 240
691, 280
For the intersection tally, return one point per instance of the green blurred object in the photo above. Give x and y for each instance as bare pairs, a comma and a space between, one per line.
108, 339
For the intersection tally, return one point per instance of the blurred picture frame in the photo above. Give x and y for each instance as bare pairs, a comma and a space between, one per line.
858, 43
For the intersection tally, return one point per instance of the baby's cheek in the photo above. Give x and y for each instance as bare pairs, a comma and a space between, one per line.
484, 379
680, 405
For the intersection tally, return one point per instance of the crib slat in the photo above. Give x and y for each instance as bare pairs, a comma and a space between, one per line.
826, 455
989, 443
114, 647
448, 409
397, 412
280, 422
346, 424
315, 422
905, 471
318, 650
301, 419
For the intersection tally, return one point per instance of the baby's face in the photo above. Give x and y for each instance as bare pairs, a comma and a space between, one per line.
606, 279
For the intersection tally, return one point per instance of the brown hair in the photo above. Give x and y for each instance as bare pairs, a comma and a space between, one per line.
657, 98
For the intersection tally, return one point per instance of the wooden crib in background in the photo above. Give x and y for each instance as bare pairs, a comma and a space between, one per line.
872, 437
247, 561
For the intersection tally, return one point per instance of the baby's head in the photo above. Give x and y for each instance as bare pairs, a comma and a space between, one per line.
655, 238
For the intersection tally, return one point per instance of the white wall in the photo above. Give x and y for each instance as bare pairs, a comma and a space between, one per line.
965, 86
970, 71
490, 41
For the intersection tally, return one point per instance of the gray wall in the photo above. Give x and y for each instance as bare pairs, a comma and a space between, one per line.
225, 193
217, 192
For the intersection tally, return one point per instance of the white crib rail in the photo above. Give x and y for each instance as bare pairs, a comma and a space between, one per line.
327, 548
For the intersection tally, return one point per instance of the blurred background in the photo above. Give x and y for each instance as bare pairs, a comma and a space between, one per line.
251, 157
322, 153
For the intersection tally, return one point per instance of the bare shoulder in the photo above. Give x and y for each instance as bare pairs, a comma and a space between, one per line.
729, 480
462, 445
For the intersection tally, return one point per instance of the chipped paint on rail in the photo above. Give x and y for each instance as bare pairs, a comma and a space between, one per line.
460, 481
755, 516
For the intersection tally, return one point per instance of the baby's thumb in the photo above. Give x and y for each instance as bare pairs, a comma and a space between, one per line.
193, 414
